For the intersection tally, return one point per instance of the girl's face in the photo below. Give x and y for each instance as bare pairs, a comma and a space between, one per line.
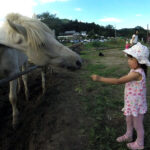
133, 63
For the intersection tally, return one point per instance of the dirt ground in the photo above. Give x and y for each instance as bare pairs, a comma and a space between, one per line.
53, 121
56, 120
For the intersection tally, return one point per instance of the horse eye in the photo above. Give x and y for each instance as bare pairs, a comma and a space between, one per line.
42, 45
19, 41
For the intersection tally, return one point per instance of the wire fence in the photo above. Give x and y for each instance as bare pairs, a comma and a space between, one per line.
15, 76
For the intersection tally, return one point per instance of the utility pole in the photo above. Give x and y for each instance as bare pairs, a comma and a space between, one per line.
34, 16
147, 33
115, 32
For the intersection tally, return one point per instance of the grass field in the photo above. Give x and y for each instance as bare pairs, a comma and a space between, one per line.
103, 102
75, 113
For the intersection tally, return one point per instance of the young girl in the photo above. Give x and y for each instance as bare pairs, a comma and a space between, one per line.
135, 94
134, 39
127, 44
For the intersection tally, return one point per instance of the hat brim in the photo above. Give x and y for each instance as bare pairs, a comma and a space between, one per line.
129, 52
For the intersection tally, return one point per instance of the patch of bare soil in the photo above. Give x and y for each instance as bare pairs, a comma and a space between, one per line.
112, 57
53, 121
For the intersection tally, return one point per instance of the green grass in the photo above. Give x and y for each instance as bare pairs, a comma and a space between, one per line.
103, 103
114, 43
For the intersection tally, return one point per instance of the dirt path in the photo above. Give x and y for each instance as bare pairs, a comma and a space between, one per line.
55, 121
50, 122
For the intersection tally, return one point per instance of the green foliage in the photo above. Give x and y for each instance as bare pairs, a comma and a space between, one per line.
96, 44
110, 44
52, 21
91, 34
127, 33
62, 25
78, 90
116, 43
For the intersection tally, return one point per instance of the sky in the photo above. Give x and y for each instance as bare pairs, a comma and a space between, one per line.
119, 13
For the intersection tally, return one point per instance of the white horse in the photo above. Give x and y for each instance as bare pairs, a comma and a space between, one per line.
36, 40
12, 62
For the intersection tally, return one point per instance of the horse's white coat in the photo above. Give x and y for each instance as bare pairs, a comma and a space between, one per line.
11, 61
37, 41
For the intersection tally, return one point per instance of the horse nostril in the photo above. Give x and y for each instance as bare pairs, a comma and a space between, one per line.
78, 63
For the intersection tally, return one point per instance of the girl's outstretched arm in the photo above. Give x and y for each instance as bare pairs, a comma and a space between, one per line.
130, 77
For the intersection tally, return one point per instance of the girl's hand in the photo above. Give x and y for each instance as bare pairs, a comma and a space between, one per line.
94, 77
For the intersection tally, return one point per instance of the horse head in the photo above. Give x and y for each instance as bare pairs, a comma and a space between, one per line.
37, 41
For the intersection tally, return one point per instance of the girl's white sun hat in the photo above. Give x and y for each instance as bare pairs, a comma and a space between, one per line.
140, 52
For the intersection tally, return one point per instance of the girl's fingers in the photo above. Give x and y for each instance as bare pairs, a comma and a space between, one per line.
93, 77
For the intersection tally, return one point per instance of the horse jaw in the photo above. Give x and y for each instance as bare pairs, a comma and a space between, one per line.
62, 56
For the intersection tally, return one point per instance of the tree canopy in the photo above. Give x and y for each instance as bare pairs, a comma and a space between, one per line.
62, 25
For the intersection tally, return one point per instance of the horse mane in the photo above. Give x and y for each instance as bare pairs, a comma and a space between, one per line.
35, 29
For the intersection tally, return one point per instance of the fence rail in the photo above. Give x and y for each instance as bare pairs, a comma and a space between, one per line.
15, 76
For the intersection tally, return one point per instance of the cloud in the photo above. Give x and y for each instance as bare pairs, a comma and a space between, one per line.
110, 20
138, 15
51, 1
24, 7
78, 9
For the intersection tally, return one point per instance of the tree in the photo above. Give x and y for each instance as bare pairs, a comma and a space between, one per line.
51, 21
91, 34
62, 25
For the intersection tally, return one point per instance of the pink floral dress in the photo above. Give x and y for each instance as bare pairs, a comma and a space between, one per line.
135, 96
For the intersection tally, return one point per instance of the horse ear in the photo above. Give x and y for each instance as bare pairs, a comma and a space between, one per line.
18, 28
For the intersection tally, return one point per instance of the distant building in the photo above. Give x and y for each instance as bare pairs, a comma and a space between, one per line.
72, 36
65, 37
83, 33
70, 32
69, 35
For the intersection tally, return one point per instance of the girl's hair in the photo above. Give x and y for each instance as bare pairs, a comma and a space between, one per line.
143, 66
